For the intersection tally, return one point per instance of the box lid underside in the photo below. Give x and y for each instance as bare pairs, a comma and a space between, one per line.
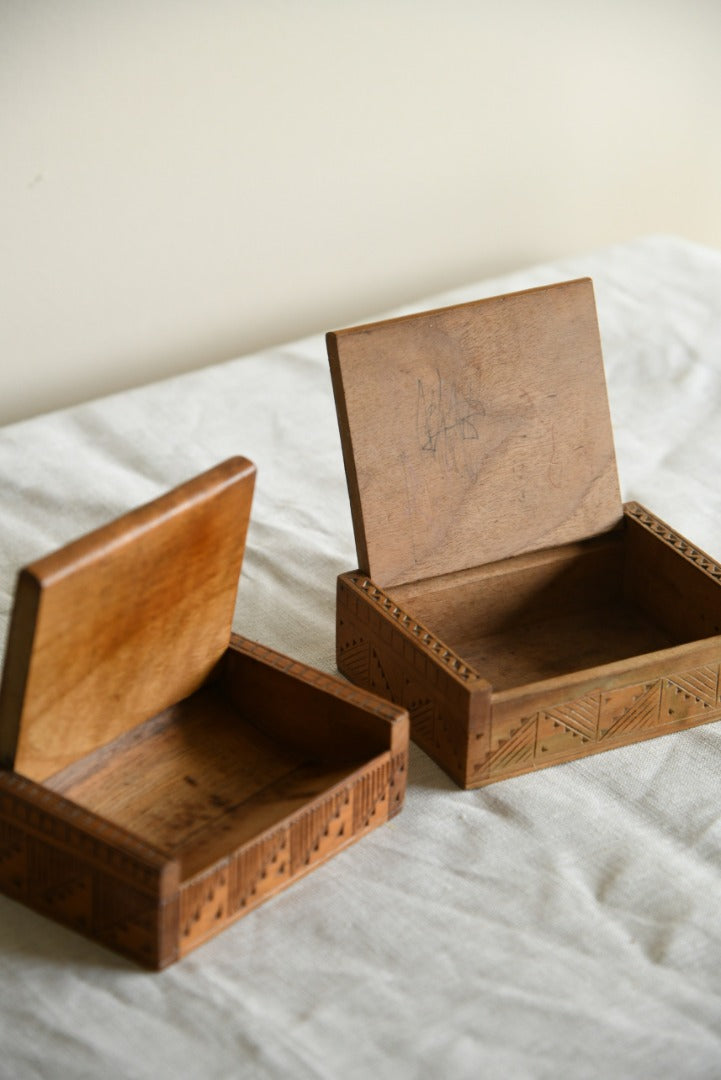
475, 432
120, 624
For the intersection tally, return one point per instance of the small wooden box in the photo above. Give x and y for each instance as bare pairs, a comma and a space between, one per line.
506, 598
161, 776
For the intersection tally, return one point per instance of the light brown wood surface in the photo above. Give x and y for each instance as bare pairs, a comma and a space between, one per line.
187, 774
123, 622
502, 596
544, 657
475, 432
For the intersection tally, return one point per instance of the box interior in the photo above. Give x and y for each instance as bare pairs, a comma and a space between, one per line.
213, 771
562, 610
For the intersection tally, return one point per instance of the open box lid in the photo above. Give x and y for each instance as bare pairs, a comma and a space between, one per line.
475, 432
124, 622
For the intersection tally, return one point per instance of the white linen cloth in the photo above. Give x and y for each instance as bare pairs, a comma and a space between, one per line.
562, 924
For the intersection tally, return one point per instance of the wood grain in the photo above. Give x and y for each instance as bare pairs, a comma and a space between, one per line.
475, 432
551, 655
158, 840
187, 774
72, 865
502, 596
123, 622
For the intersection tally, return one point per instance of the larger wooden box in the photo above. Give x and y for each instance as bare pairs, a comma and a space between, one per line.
161, 776
505, 596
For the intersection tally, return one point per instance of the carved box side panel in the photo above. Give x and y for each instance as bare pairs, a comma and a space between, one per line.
381, 647
234, 886
602, 719
60, 861
620, 712
674, 541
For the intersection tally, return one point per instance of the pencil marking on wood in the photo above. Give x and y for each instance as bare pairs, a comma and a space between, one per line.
573, 624
446, 418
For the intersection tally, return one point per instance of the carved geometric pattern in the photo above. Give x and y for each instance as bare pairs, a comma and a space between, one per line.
259, 870
356, 661
379, 680
701, 683
203, 907
59, 882
423, 717
370, 797
45, 813
569, 730
397, 782
682, 698
554, 739
579, 717
126, 920
451, 741
80, 880
410, 667
598, 720
425, 637
316, 832
441, 723
655, 525
515, 751
632, 708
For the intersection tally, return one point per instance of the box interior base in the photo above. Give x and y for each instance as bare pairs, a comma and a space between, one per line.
556, 612
200, 779
568, 642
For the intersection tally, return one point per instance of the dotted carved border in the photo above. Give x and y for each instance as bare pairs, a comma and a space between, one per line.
425, 637
678, 543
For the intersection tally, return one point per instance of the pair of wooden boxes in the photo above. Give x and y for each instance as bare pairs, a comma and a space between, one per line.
161, 776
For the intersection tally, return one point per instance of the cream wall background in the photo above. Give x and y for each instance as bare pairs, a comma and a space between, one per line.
187, 181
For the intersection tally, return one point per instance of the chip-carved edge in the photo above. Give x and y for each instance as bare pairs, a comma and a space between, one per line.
428, 641
674, 540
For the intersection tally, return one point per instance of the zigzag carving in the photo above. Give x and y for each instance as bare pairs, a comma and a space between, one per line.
702, 683
311, 830
579, 716
258, 868
516, 750
641, 714
368, 791
679, 702
389, 606
655, 525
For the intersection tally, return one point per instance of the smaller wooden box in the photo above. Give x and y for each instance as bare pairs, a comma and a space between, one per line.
161, 776
505, 596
